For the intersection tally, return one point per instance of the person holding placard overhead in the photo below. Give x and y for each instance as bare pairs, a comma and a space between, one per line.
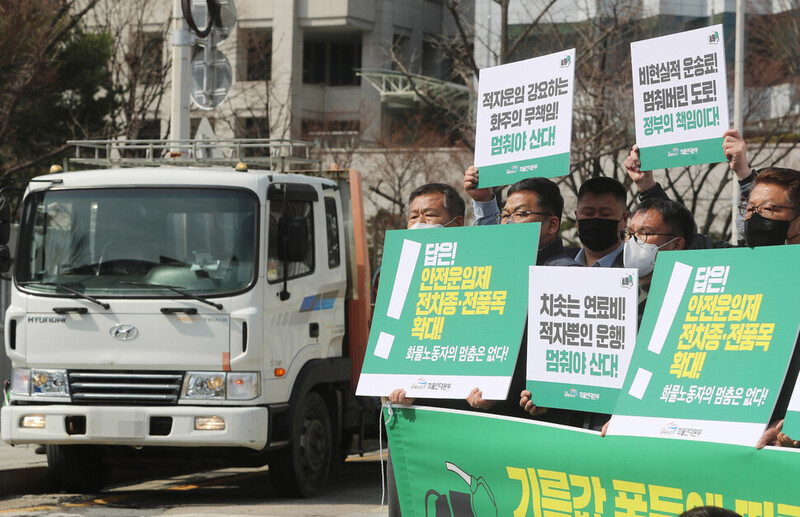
600, 214
531, 200
735, 150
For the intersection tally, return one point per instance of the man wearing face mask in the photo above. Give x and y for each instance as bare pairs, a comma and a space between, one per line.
772, 214
601, 213
772, 217
435, 205
655, 225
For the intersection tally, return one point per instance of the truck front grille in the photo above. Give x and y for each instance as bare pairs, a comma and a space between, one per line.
125, 388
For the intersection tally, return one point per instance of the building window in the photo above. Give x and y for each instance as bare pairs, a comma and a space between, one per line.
431, 60
399, 51
332, 63
251, 127
146, 58
150, 130
313, 129
256, 55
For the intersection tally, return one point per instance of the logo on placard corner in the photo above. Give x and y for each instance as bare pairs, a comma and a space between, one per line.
419, 384
627, 281
566, 61
571, 394
688, 432
713, 39
513, 170
687, 151
670, 428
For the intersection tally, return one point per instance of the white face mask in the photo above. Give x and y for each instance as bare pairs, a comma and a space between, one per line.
424, 226
641, 256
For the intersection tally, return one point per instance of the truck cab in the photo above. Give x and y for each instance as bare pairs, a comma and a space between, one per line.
176, 308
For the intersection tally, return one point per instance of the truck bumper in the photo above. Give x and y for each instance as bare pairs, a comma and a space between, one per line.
136, 426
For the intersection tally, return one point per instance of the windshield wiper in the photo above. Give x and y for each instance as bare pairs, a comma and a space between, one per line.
70, 290
181, 291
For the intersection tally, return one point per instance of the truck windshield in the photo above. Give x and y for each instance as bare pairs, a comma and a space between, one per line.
102, 242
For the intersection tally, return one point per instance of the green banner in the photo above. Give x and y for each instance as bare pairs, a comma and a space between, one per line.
450, 311
681, 154
465, 464
507, 173
713, 347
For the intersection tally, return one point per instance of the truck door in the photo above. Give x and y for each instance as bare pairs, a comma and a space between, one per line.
298, 287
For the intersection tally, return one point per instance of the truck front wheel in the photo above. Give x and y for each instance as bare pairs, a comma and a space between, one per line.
302, 468
78, 468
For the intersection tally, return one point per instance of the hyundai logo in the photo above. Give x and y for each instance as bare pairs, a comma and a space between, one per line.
123, 332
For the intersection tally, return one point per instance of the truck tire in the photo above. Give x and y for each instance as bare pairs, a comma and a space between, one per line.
301, 469
78, 468
346, 442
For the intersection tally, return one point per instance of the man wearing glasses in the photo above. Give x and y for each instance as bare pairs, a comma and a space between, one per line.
531, 200
772, 217
656, 225
772, 214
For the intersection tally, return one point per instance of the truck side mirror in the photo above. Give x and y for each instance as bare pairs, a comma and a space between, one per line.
293, 235
5, 221
5, 257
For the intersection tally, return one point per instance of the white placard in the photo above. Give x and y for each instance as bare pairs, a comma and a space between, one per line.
581, 334
524, 119
680, 97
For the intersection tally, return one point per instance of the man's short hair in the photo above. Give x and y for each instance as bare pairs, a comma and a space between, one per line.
547, 192
788, 179
604, 185
709, 511
453, 203
676, 216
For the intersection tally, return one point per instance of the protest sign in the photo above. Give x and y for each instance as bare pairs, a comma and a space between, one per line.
449, 463
713, 347
581, 335
680, 98
450, 311
524, 120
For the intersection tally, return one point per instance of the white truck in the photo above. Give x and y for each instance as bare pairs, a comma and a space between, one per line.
187, 313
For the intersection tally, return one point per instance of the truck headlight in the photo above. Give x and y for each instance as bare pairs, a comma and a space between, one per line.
49, 383
220, 385
204, 385
21, 382
242, 386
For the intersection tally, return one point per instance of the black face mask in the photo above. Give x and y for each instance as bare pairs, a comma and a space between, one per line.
598, 234
760, 231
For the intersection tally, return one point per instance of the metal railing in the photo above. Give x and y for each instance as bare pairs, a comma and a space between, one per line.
274, 154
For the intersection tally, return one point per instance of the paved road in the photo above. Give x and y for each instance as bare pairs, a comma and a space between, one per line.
354, 491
